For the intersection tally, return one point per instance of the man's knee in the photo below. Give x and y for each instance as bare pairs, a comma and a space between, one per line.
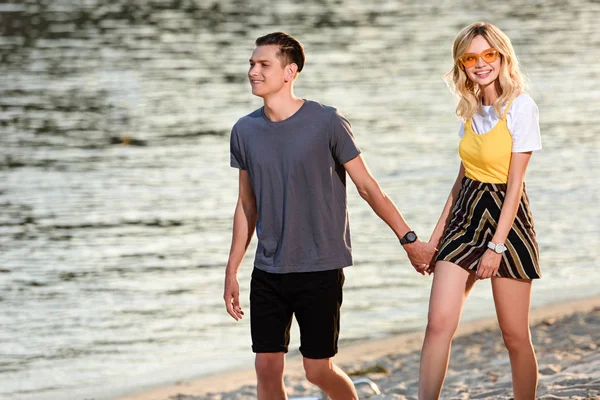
269, 366
317, 370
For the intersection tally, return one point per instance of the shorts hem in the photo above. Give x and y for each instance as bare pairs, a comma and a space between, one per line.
318, 356
497, 276
268, 350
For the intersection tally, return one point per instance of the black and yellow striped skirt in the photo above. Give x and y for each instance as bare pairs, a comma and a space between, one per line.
473, 222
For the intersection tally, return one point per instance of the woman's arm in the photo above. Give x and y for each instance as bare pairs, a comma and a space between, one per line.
514, 191
490, 262
438, 232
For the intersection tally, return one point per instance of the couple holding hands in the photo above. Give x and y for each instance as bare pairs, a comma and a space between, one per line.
293, 156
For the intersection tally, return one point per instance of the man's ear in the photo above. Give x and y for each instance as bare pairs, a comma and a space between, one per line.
291, 70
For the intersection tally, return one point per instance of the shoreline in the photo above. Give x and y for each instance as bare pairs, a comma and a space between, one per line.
362, 352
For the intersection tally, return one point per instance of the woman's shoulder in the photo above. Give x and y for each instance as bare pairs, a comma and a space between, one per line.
523, 102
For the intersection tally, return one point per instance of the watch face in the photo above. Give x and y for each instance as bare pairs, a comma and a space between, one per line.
410, 237
499, 248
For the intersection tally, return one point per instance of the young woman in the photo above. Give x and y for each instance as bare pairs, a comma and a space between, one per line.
486, 228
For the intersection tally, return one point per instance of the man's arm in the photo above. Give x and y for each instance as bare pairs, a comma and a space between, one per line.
419, 253
244, 223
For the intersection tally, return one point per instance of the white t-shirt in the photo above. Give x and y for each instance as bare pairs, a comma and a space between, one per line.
522, 121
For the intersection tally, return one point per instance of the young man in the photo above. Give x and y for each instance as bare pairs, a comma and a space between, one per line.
293, 155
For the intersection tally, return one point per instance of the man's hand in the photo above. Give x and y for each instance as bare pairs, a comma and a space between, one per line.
232, 296
421, 256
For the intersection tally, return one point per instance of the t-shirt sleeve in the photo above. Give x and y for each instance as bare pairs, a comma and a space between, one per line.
236, 156
461, 130
525, 127
341, 141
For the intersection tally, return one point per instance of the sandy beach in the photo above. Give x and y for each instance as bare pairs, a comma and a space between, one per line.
566, 337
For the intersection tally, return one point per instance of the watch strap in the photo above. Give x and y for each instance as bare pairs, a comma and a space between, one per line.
497, 248
409, 237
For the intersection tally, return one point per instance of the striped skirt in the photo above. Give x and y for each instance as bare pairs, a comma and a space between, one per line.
473, 222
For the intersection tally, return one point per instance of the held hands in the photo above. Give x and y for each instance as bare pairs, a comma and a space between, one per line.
488, 264
421, 256
232, 297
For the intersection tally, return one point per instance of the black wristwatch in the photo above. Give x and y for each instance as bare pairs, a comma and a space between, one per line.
410, 237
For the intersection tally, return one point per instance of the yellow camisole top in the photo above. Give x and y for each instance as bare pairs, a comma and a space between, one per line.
486, 157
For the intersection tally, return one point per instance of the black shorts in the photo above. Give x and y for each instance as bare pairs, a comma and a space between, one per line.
314, 297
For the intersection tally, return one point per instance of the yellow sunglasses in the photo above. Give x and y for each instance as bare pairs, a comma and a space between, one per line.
470, 59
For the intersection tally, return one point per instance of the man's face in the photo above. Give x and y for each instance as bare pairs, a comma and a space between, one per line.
266, 73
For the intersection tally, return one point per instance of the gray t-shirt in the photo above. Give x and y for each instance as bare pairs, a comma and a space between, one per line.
296, 170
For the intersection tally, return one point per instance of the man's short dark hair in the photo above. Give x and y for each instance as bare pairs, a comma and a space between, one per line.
290, 49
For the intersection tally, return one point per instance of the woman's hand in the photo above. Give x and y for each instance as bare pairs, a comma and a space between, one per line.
435, 243
488, 265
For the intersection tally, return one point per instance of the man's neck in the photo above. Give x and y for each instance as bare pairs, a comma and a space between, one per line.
281, 107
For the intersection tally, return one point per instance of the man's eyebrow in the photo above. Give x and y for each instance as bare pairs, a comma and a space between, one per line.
260, 60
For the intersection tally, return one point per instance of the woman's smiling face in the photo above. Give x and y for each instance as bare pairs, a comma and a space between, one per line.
482, 73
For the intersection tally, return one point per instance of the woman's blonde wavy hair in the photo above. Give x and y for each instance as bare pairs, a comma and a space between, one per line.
510, 79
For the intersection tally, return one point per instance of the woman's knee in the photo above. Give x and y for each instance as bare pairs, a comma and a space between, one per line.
269, 366
516, 340
441, 325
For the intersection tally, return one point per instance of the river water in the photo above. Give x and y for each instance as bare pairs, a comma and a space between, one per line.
116, 196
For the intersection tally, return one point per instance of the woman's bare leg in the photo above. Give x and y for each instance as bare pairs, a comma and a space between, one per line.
513, 299
451, 285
